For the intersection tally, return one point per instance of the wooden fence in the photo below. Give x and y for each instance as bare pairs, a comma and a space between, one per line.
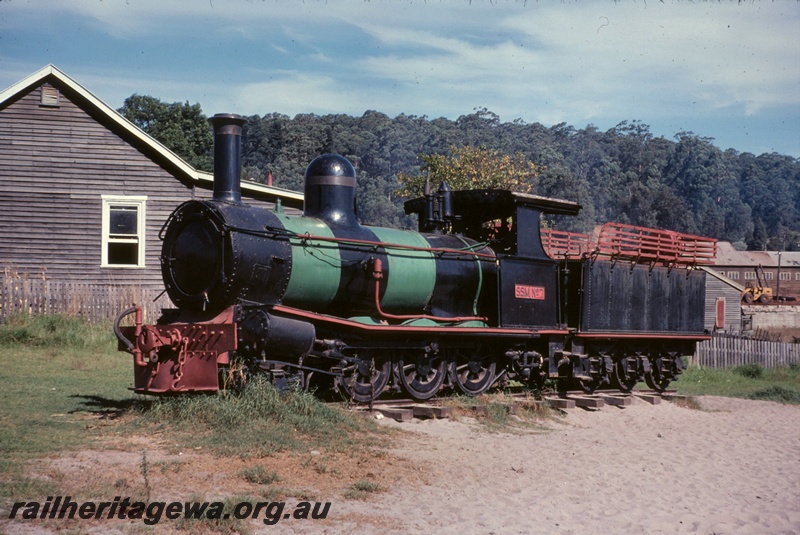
95, 302
726, 350
92, 302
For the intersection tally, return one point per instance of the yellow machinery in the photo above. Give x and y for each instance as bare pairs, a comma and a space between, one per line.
761, 293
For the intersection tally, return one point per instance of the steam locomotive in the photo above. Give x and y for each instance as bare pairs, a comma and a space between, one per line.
480, 295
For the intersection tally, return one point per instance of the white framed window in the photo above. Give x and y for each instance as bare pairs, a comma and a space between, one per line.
786, 276
123, 228
749, 275
768, 275
797, 276
733, 275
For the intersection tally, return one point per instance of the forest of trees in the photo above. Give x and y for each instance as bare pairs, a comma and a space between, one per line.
624, 174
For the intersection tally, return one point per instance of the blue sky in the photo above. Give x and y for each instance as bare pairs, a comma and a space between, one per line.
720, 69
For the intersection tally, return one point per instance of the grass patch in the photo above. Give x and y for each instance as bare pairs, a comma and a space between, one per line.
362, 489
55, 331
63, 384
750, 381
65, 387
777, 393
258, 421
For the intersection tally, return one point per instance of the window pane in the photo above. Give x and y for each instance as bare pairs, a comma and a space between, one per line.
123, 254
122, 220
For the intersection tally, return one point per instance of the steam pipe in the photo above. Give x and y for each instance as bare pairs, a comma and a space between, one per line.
377, 274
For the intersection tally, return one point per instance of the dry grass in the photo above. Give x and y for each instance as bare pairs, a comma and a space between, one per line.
500, 412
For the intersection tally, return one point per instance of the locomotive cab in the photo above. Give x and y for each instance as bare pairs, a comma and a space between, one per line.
528, 285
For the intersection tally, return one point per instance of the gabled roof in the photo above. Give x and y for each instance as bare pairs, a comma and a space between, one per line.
729, 257
179, 167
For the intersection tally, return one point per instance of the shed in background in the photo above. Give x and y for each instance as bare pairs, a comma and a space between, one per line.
723, 309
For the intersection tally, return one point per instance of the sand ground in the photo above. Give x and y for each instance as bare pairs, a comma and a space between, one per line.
731, 468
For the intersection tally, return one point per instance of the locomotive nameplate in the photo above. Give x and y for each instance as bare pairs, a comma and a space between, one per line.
522, 291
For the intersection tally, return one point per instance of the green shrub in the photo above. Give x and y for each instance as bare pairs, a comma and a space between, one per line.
751, 371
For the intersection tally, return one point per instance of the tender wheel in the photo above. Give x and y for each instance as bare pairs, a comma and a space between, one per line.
588, 386
626, 378
473, 372
764, 299
656, 378
422, 374
591, 378
748, 298
366, 379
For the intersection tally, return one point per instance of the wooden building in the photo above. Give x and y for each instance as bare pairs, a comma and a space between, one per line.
781, 269
84, 194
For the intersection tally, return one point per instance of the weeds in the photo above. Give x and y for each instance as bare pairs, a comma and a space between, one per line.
260, 475
361, 489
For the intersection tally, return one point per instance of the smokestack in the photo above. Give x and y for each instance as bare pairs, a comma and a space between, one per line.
227, 156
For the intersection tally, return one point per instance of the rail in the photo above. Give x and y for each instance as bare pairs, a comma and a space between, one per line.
638, 244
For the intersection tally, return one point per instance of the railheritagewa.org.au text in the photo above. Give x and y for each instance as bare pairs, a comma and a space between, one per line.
151, 513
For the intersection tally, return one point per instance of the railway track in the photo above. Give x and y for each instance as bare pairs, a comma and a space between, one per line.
404, 410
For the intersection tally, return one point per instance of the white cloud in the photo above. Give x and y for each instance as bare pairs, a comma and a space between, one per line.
294, 93
605, 59
541, 61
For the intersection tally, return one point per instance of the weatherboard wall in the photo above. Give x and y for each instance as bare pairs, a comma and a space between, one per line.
56, 163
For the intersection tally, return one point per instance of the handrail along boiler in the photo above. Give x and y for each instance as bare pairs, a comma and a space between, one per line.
479, 294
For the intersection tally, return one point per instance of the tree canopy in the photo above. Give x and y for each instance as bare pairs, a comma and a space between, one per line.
181, 127
624, 174
471, 168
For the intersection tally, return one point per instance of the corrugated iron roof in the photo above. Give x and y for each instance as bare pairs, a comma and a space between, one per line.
729, 257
